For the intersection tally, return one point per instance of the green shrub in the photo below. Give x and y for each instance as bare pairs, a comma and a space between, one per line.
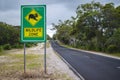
35, 44
1, 48
28, 45
112, 48
7, 47
20, 46
15, 46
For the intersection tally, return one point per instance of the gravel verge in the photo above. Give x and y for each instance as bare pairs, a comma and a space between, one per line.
11, 65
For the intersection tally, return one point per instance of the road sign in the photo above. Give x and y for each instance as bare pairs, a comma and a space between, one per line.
33, 23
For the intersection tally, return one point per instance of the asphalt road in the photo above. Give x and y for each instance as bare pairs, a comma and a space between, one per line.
90, 66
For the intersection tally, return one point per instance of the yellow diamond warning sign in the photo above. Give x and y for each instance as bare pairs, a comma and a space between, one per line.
33, 17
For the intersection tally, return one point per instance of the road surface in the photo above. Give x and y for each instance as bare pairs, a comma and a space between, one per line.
90, 66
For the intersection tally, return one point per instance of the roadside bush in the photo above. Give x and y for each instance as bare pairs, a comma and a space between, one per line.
1, 48
31, 44
7, 47
28, 45
17, 46
21, 46
112, 49
35, 44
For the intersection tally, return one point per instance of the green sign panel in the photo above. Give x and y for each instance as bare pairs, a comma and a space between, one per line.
33, 23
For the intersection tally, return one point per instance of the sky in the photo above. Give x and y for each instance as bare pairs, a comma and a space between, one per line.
56, 10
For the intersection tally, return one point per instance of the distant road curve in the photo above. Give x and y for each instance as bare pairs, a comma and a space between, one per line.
90, 66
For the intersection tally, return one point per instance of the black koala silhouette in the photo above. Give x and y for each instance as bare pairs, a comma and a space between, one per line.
33, 16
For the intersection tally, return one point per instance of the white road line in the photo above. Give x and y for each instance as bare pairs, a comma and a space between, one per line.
118, 67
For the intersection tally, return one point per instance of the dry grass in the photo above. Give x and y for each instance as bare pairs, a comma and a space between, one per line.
12, 67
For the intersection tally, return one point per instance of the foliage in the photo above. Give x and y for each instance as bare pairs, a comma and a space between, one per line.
1, 48
112, 48
9, 34
54, 37
96, 27
7, 47
114, 40
17, 45
10, 37
48, 37
29, 44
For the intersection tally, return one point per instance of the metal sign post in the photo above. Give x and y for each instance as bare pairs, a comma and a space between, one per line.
24, 58
45, 57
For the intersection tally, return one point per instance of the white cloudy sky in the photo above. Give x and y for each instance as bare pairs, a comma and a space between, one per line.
56, 10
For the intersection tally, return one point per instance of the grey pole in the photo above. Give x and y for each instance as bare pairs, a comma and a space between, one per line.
24, 58
45, 57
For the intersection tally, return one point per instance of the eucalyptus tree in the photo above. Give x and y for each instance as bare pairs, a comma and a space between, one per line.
94, 26
63, 30
89, 22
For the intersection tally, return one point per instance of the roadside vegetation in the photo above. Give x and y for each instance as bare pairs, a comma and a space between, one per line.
95, 27
10, 37
12, 65
12, 58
